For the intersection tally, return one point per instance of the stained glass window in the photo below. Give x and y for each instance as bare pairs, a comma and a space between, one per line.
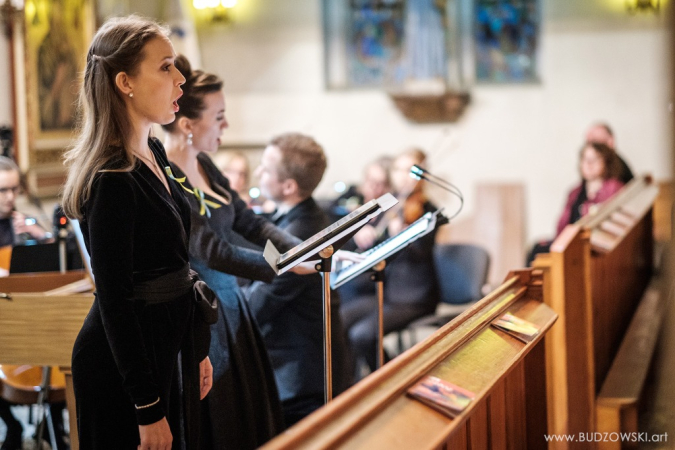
385, 43
506, 40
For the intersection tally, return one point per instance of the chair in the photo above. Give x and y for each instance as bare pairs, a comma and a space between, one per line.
461, 271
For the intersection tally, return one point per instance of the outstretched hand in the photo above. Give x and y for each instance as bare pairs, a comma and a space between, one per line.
344, 255
309, 267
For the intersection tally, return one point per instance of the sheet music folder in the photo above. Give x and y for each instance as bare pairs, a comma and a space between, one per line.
422, 226
336, 234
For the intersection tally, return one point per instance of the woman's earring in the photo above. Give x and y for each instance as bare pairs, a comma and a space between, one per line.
131, 94
189, 139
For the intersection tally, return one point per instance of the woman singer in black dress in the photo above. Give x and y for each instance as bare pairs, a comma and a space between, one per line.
243, 410
132, 390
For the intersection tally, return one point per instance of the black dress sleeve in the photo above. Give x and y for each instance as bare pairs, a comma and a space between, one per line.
219, 254
224, 256
247, 223
110, 213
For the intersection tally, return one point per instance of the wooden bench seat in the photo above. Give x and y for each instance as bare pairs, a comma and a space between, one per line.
617, 403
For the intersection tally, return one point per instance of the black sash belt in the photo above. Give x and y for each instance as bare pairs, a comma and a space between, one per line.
166, 287
176, 284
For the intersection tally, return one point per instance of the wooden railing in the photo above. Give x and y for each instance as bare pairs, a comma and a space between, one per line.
507, 376
40, 329
600, 268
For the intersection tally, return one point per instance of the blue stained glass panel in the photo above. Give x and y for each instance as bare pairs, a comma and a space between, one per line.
506, 39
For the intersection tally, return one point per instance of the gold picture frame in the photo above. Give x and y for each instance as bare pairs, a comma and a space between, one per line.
50, 52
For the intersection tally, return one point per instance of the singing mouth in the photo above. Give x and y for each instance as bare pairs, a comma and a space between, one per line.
175, 103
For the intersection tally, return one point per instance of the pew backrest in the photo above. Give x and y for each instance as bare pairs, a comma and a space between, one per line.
507, 376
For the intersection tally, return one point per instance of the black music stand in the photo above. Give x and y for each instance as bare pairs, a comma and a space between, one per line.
322, 246
375, 259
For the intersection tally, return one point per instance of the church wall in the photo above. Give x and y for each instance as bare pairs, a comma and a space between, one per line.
596, 63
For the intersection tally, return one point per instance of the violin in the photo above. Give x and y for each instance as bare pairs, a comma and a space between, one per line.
413, 206
409, 208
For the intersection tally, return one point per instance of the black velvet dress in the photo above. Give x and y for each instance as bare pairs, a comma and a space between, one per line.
243, 410
127, 351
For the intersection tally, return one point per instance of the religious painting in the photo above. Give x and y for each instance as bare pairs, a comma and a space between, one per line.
384, 43
49, 42
57, 36
506, 37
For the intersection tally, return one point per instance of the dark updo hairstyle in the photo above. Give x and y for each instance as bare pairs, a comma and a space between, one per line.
197, 85
608, 155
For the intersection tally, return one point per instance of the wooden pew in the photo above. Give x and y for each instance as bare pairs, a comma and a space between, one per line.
39, 329
600, 268
507, 376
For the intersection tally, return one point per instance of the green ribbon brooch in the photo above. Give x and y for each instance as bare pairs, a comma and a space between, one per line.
198, 193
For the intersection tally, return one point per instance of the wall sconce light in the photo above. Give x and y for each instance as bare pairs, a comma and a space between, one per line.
214, 10
635, 6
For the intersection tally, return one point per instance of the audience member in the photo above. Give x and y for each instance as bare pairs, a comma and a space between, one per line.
289, 310
601, 133
599, 168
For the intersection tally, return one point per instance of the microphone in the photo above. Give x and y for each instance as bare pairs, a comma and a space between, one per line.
420, 173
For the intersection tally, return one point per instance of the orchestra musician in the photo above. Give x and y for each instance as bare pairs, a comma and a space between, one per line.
15, 226
410, 287
132, 391
289, 310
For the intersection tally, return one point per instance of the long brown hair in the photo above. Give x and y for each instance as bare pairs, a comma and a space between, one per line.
609, 157
118, 46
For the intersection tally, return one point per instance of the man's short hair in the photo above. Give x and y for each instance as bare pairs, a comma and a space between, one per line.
302, 160
7, 164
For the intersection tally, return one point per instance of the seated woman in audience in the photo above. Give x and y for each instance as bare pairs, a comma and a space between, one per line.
599, 168
410, 284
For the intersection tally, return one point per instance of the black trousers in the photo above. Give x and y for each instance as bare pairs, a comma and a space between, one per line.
360, 320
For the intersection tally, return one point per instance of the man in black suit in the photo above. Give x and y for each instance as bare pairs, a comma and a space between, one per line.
289, 310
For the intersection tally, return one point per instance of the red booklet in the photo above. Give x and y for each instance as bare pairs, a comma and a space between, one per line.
441, 395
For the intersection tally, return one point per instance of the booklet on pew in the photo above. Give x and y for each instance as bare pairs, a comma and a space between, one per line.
441, 395
517, 327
